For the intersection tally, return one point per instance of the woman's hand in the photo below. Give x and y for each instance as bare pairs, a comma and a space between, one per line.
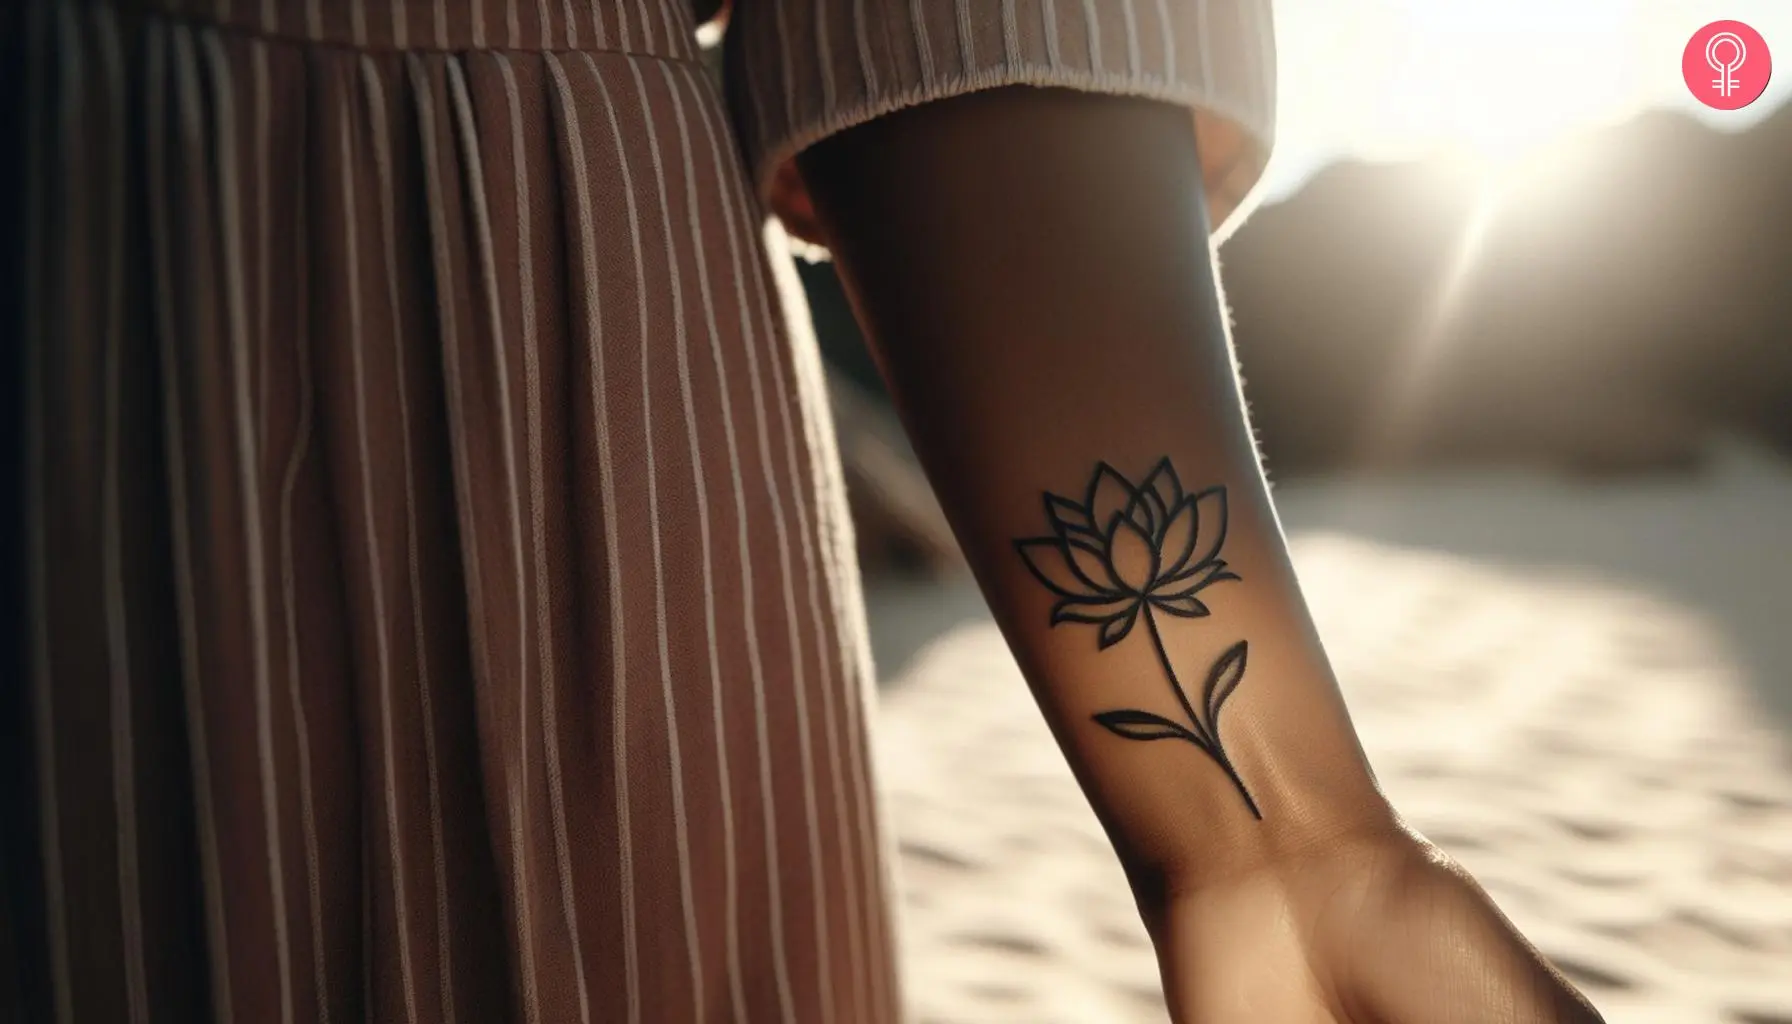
1386, 933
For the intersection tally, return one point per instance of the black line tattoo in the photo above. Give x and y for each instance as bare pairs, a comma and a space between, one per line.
1129, 551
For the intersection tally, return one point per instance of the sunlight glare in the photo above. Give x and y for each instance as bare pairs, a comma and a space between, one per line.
1391, 427
1492, 80
1408, 79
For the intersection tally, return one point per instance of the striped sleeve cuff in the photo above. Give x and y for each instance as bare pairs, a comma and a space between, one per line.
801, 70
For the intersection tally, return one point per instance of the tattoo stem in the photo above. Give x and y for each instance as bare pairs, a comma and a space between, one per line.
1199, 735
1163, 658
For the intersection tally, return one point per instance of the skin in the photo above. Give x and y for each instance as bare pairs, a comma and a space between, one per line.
1033, 272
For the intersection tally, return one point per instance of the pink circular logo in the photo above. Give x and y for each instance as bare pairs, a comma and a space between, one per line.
1726, 65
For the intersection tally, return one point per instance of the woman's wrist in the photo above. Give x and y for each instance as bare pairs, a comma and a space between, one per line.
1332, 837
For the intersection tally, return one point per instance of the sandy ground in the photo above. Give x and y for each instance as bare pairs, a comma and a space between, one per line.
1581, 690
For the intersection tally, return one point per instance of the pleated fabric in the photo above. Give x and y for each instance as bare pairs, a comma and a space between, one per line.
438, 600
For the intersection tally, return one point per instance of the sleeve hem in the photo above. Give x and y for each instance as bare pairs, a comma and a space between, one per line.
1227, 184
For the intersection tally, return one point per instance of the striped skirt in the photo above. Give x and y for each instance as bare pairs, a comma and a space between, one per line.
437, 601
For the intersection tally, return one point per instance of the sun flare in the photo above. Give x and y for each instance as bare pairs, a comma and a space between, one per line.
1492, 84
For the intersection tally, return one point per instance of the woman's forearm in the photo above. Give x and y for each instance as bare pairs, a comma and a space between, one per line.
1033, 271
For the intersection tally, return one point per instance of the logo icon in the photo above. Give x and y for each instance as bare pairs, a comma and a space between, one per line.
1726, 65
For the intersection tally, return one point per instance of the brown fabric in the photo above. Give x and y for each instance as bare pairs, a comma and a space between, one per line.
438, 601
801, 70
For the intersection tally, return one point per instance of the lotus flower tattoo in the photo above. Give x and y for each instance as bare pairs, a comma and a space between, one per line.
1130, 551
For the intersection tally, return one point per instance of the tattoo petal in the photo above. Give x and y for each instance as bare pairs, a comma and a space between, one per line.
1178, 540
1132, 557
1090, 563
1185, 607
1211, 514
1109, 495
1114, 630
1096, 612
1068, 518
1048, 558
1164, 488
1195, 579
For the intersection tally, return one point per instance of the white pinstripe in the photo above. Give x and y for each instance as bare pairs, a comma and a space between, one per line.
162, 229
817, 443
455, 396
730, 868
824, 56
612, 549
761, 292
249, 472
258, 63
848, 601
382, 149
807, 545
917, 16
646, 24
541, 17
798, 681
118, 644
1010, 33
1167, 33
489, 279
785, 70
846, 607
301, 448
1131, 17
677, 42
679, 814
597, 23
375, 574
1048, 15
1092, 29
866, 65
967, 52
749, 613
538, 531
829, 713
640, 279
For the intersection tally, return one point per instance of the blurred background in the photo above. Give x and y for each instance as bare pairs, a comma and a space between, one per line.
1515, 317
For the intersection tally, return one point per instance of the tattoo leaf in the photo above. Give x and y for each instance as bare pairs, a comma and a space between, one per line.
1222, 679
1115, 629
1143, 725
